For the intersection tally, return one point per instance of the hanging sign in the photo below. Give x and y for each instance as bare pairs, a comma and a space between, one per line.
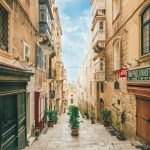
123, 72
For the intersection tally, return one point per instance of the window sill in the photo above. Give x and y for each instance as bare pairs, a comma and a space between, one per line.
144, 58
4, 54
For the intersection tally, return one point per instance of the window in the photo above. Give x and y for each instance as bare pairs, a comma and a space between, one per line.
3, 28
26, 52
116, 8
42, 12
40, 57
116, 85
146, 31
101, 25
117, 55
71, 101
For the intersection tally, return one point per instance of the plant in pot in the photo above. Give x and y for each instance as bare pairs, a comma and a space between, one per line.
86, 114
36, 133
93, 118
106, 115
50, 118
74, 120
55, 113
119, 134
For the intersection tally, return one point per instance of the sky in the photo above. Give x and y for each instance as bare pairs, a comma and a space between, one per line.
75, 21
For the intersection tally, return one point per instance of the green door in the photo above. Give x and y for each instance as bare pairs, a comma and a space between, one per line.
8, 122
21, 105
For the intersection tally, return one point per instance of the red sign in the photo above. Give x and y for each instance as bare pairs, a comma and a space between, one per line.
123, 72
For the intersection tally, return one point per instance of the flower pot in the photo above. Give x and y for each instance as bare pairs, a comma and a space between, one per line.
50, 124
92, 121
106, 123
120, 137
75, 131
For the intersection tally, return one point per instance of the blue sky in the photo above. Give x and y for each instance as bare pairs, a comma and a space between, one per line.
75, 20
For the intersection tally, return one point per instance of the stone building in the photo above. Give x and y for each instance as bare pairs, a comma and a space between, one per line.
27, 52
123, 44
72, 94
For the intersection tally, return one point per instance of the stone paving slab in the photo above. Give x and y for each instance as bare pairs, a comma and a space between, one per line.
91, 137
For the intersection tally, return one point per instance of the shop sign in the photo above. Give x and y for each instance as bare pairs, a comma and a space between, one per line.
139, 74
123, 72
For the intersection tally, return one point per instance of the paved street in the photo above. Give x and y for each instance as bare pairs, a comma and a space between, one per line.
91, 137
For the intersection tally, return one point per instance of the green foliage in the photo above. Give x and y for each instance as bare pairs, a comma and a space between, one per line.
55, 113
106, 114
118, 125
74, 117
86, 113
93, 116
49, 114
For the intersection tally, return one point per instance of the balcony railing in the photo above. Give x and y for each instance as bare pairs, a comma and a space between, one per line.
52, 73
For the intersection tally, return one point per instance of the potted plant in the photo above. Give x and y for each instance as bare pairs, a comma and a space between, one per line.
74, 120
36, 133
50, 122
93, 118
119, 134
55, 113
106, 115
86, 114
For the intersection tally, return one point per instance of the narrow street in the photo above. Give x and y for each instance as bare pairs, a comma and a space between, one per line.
91, 137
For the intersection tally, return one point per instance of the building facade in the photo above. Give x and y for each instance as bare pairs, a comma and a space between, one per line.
27, 62
122, 63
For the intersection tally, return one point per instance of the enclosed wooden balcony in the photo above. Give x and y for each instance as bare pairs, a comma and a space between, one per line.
99, 42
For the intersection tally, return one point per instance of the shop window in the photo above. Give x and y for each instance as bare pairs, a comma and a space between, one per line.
146, 31
116, 8
3, 28
116, 55
26, 52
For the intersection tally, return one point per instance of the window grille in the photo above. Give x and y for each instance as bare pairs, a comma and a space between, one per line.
116, 85
3, 28
146, 31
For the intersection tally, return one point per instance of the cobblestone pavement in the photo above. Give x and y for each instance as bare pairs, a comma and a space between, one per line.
91, 137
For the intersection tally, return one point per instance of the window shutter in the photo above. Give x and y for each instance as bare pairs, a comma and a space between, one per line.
37, 56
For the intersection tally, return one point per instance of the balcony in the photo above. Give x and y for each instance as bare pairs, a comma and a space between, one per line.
49, 5
52, 94
99, 42
44, 30
99, 76
98, 5
52, 73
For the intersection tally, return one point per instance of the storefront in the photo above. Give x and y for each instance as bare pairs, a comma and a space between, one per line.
139, 84
13, 83
40, 106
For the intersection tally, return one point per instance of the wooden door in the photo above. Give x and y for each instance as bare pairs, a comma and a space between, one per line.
143, 119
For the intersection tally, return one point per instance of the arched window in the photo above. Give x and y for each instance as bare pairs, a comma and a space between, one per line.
145, 19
